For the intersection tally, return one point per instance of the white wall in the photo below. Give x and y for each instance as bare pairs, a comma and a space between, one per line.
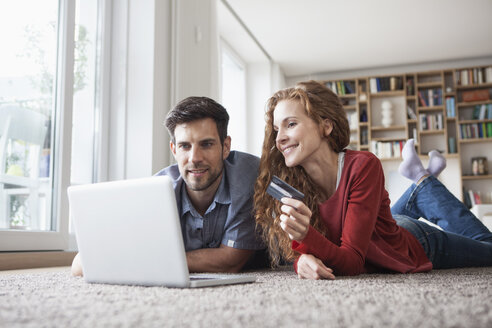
258, 91
263, 79
263, 76
195, 60
139, 87
161, 52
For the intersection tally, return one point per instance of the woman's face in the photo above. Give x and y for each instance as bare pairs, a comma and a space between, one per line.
298, 136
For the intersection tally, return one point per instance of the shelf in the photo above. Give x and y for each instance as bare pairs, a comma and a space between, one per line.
430, 109
474, 121
475, 140
474, 103
387, 159
443, 84
388, 128
476, 177
474, 86
347, 95
395, 93
388, 139
429, 85
426, 132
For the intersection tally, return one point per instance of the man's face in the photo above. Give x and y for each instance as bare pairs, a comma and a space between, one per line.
199, 154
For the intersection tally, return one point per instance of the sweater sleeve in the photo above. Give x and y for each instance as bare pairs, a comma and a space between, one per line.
364, 200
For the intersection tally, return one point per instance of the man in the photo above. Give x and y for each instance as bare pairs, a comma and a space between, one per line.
214, 189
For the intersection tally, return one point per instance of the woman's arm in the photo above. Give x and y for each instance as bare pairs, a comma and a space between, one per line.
364, 201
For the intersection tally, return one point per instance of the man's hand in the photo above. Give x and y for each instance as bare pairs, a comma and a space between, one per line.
222, 259
310, 267
295, 218
77, 266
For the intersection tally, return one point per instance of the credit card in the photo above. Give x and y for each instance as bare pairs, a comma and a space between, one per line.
279, 188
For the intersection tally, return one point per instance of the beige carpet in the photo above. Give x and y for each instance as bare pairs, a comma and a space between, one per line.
446, 298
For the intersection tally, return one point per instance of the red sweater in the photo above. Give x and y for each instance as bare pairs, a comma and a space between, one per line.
362, 235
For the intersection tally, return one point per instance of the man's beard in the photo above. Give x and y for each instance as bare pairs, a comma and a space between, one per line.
198, 185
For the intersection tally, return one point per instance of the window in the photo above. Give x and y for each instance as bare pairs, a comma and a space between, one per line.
35, 108
27, 77
234, 96
85, 89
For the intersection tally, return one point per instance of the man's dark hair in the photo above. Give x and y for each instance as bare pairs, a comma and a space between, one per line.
196, 108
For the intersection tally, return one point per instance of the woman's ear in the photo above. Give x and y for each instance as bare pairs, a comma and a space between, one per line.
327, 127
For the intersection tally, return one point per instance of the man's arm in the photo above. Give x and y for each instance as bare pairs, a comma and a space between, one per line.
222, 259
77, 266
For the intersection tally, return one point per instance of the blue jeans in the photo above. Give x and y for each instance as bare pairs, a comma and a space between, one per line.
464, 240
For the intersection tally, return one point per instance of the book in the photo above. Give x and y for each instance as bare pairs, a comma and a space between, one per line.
373, 85
450, 107
393, 83
483, 110
452, 145
466, 198
430, 97
488, 75
422, 100
411, 113
423, 121
475, 95
348, 87
472, 198
476, 112
410, 87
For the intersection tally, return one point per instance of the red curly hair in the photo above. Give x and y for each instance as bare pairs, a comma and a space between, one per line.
320, 104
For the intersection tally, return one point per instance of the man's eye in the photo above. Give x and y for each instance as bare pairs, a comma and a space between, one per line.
185, 147
207, 144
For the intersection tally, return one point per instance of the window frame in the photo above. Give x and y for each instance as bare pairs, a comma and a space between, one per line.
225, 47
57, 238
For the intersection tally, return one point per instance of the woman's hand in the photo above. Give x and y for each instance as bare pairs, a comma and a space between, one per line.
295, 218
310, 267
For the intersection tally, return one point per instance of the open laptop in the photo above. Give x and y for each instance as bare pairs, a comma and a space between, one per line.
129, 232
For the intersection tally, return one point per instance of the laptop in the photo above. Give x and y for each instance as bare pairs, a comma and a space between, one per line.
129, 232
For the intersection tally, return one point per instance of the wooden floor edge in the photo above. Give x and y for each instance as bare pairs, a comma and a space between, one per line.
30, 260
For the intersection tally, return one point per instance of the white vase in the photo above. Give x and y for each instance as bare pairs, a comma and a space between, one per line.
387, 113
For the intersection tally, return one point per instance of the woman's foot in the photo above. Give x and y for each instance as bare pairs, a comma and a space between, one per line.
437, 163
411, 167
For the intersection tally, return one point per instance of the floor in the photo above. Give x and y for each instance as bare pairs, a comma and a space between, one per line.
36, 270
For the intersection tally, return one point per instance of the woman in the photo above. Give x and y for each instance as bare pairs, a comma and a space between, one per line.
344, 224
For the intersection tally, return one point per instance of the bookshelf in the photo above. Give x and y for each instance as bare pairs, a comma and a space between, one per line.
449, 110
